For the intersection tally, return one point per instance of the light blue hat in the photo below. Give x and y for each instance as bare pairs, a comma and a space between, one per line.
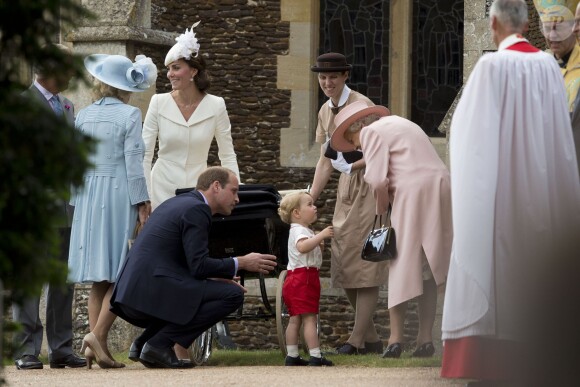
118, 71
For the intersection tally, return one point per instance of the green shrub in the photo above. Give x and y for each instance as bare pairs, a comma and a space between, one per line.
41, 156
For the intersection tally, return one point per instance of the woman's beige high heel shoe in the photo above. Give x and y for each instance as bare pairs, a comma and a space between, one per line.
93, 350
90, 356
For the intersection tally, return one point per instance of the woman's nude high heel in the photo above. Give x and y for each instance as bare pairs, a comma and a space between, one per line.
94, 351
90, 356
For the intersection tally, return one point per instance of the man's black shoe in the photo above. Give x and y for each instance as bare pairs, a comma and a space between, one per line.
319, 362
295, 361
72, 361
161, 358
28, 362
135, 351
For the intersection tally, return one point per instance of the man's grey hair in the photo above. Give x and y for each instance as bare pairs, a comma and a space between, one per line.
47, 69
512, 14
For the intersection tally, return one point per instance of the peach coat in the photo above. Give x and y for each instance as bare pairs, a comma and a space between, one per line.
352, 219
404, 169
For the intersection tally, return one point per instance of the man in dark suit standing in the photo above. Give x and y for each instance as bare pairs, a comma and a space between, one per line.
47, 85
169, 285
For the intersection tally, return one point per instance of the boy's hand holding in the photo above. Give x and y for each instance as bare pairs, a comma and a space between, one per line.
328, 232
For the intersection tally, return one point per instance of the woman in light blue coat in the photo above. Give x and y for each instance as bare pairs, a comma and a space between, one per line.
114, 196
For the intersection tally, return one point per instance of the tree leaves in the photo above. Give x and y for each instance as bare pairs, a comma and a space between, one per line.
41, 156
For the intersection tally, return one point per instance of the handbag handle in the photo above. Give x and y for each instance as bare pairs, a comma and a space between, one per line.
388, 218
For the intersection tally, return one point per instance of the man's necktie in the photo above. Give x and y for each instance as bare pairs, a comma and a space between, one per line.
336, 109
56, 106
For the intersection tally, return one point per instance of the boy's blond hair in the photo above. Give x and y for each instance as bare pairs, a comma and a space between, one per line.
290, 203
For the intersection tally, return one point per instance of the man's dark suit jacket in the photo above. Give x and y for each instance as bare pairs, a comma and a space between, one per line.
166, 270
68, 110
66, 103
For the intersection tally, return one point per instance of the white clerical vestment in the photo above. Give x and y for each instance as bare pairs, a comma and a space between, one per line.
514, 184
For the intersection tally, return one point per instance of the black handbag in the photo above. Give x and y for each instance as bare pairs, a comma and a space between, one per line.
381, 244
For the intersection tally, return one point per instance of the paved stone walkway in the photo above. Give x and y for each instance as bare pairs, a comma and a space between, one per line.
137, 375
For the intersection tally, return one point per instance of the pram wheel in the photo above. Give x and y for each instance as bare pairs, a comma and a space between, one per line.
200, 349
282, 316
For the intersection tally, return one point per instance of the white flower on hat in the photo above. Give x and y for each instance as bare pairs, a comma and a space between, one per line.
185, 47
143, 73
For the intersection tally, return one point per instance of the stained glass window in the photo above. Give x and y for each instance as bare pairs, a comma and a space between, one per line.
437, 60
360, 31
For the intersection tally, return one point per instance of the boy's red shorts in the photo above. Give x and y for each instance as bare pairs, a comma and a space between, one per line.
301, 291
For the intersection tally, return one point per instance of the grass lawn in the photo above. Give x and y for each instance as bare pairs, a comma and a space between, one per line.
222, 358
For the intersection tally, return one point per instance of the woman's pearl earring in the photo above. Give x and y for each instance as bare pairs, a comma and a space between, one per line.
192, 79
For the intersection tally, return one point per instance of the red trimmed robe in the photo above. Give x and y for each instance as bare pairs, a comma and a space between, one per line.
515, 189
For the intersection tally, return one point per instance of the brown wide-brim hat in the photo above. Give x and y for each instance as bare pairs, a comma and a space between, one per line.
331, 62
348, 116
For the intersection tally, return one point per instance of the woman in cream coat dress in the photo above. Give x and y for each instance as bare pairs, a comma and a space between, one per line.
185, 121
184, 144
404, 170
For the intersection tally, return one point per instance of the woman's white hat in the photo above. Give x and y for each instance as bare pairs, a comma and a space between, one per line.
348, 116
185, 47
118, 71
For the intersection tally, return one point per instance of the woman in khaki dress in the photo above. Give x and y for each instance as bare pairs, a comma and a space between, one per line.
353, 213
404, 170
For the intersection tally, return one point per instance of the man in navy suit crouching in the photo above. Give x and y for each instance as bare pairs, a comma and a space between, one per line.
169, 285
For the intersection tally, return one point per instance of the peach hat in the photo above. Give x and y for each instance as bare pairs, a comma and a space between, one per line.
348, 116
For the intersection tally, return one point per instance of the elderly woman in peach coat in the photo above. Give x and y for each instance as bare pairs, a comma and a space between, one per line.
404, 170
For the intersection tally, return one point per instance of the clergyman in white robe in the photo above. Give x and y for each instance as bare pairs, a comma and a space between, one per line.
515, 192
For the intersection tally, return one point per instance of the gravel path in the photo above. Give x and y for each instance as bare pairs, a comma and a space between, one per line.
137, 375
